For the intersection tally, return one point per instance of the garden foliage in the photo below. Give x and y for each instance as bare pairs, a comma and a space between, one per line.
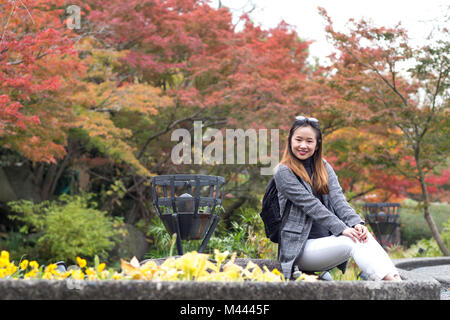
65, 228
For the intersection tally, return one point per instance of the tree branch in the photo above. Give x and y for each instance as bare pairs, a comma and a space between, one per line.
13, 63
170, 126
371, 67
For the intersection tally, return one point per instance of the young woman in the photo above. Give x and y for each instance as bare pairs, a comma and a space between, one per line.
321, 230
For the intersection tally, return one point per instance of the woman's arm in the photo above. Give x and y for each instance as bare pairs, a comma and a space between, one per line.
341, 207
288, 184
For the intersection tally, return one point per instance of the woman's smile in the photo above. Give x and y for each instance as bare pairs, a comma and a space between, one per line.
304, 142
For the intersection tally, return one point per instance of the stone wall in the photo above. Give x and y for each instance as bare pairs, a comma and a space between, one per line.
191, 290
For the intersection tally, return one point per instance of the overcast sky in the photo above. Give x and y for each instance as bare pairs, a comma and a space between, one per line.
418, 17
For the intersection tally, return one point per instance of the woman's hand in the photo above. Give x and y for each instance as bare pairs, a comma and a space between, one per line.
352, 233
362, 232
357, 233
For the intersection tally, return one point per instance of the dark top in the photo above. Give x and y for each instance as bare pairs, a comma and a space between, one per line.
317, 230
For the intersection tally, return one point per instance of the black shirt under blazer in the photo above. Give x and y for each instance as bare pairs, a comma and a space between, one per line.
335, 214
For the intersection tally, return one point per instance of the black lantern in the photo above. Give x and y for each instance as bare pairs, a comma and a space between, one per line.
188, 205
384, 220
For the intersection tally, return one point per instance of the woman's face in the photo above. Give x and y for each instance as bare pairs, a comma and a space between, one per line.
304, 142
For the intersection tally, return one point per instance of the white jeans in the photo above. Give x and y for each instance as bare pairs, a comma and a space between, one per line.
326, 253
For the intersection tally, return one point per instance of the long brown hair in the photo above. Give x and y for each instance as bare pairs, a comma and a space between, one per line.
319, 181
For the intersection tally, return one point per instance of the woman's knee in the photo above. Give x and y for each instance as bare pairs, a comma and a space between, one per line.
324, 253
347, 244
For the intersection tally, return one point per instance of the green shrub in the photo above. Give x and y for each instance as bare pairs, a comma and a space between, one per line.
413, 226
246, 237
429, 247
66, 228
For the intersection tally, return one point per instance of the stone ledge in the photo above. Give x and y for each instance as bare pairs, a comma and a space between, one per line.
191, 290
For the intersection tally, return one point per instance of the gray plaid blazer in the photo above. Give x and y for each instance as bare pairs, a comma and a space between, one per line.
335, 213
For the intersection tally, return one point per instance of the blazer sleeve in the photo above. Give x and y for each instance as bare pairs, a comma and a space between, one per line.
288, 184
338, 201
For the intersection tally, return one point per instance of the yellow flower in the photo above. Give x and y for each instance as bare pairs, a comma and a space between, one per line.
81, 262
11, 269
31, 274
91, 273
4, 259
192, 264
77, 274
51, 268
24, 264
101, 267
232, 272
220, 257
307, 277
34, 265
4, 255
117, 276
278, 273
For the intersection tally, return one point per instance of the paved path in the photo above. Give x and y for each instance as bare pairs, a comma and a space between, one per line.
437, 268
442, 274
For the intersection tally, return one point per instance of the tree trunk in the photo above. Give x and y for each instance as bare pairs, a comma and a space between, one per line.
426, 211
48, 182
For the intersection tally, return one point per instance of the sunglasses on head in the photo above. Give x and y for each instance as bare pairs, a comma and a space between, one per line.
303, 119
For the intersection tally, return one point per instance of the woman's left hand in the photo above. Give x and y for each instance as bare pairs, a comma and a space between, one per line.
362, 232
